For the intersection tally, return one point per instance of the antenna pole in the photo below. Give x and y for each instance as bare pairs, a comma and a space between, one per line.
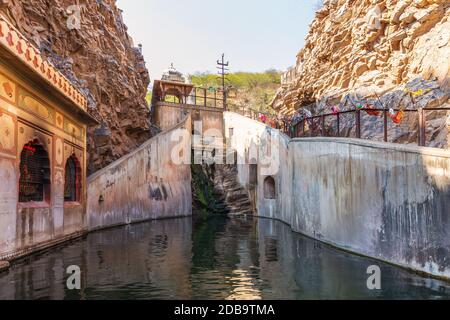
222, 72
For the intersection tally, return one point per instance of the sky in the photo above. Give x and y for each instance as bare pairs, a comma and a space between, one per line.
255, 35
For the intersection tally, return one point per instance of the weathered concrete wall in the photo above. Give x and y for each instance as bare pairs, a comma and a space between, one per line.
251, 139
211, 121
145, 184
166, 115
382, 200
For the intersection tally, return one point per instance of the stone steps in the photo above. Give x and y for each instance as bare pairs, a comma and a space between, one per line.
234, 197
231, 197
243, 202
240, 213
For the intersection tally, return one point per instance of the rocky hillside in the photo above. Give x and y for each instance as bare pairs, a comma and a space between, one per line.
98, 55
358, 49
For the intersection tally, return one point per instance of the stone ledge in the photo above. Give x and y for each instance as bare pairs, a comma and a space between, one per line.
20, 253
4, 265
427, 151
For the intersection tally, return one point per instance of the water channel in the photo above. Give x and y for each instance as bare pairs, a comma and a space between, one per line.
235, 258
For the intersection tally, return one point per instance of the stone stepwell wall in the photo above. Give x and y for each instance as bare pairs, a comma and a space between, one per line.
387, 201
146, 184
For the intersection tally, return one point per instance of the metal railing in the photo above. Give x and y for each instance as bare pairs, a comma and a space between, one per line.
368, 123
249, 112
197, 96
253, 114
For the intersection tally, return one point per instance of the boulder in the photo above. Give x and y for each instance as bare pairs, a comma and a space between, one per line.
360, 68
398, 11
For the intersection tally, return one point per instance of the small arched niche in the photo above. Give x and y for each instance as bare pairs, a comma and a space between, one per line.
269, 188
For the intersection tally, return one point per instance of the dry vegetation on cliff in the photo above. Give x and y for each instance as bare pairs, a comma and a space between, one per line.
247, 89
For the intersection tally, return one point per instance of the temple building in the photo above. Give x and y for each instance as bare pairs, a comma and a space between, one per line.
173, 87
43, 123
174, 96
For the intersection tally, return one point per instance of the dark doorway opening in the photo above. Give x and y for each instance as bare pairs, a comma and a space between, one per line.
269, 188
72, 182
34, 182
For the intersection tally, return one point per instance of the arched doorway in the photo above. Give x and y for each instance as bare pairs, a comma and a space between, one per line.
269, 188
34, 182
72, 181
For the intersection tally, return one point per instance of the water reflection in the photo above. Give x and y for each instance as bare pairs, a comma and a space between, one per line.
239, 258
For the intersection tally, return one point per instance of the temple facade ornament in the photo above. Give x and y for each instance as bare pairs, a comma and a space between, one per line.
172, 74
43, 124
174, 84
16, 44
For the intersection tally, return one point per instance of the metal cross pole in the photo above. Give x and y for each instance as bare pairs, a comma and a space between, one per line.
385, 121
421, 130
222, 66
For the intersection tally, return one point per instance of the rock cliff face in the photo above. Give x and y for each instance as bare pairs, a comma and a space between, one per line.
357, 49
90, 45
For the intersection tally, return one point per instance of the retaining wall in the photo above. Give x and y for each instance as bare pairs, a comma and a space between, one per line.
146, 184
387, 201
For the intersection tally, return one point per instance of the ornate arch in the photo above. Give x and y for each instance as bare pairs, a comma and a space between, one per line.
35, 178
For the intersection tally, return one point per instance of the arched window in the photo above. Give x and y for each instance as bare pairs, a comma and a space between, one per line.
72, 182
269, 188
34, 182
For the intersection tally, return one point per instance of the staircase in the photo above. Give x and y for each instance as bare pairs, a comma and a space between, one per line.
231, 197
227, 196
